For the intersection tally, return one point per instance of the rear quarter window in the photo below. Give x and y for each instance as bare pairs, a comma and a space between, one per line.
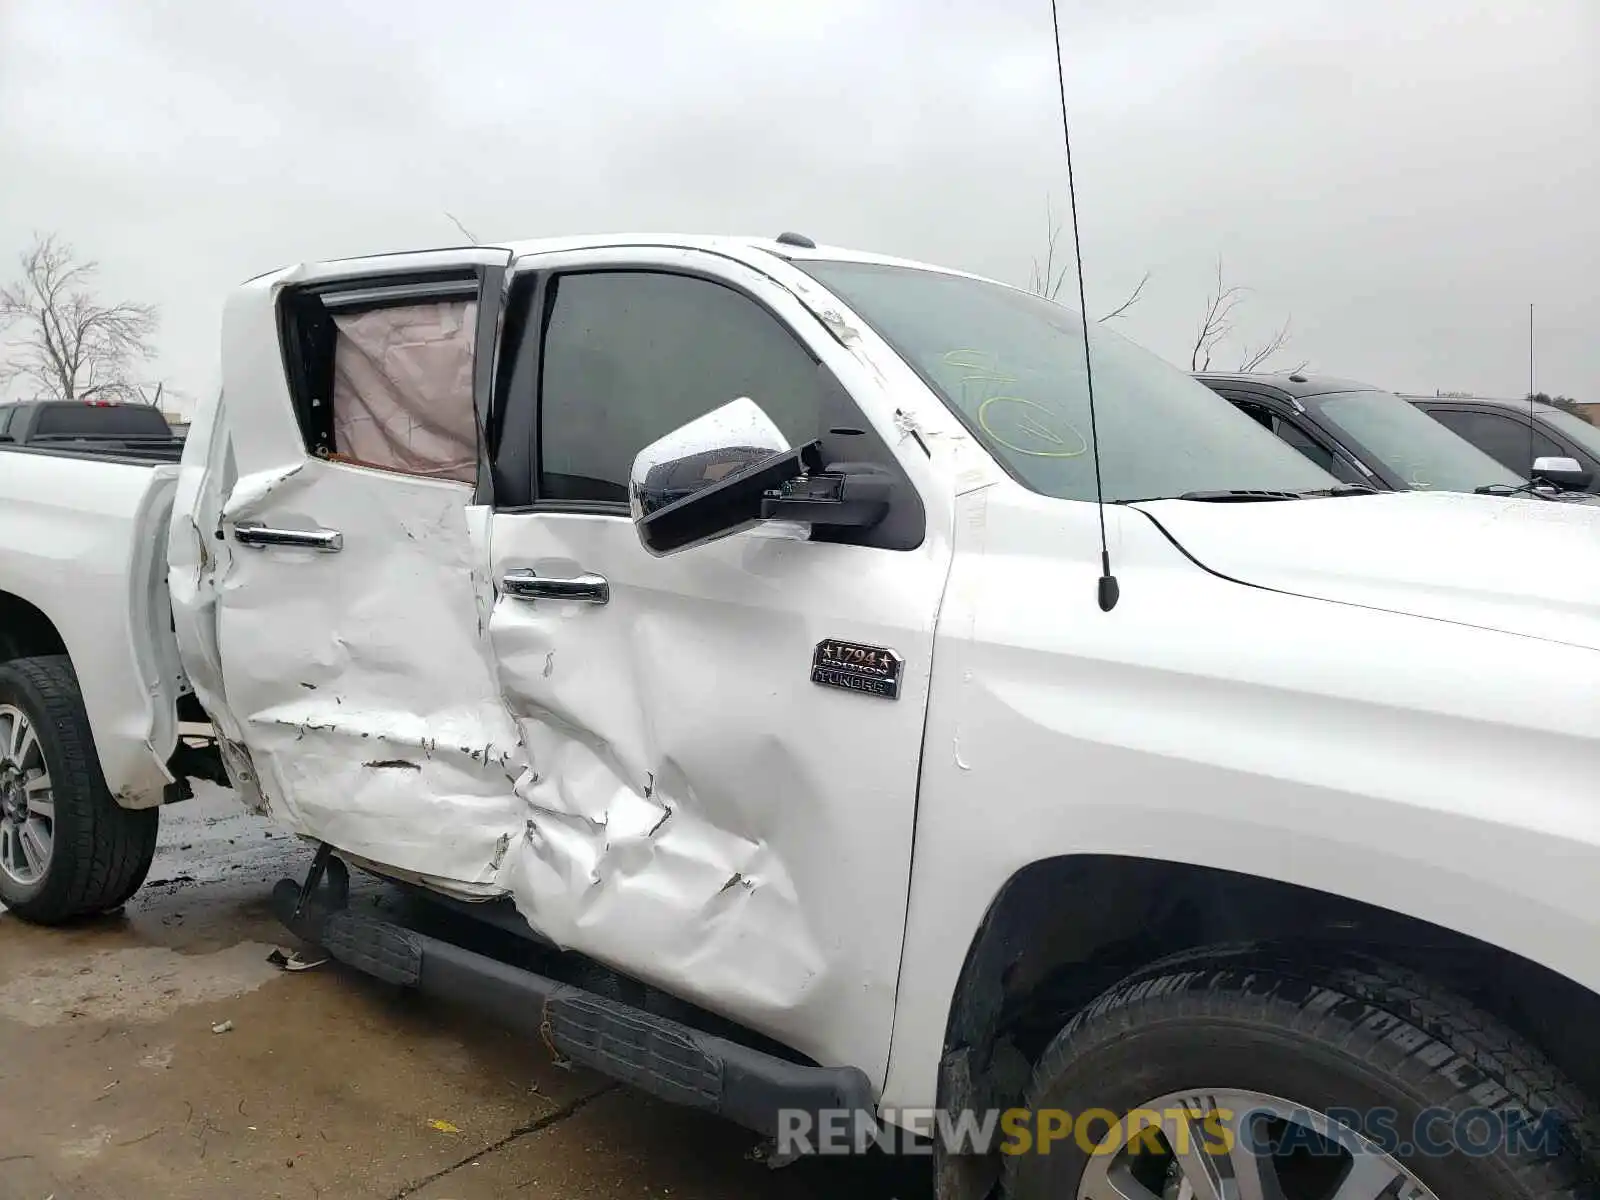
73, 420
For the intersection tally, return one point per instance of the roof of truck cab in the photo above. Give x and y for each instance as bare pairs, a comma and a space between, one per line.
741, 247
1299, 385
754, 251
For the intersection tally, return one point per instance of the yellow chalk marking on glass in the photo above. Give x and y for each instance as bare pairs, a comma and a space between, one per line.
1034, 428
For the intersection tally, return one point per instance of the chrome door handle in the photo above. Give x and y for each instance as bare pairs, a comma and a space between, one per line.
259, 536
526, 585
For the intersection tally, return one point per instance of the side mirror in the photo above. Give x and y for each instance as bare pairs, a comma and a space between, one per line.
705, 480
1566, 474
732, 468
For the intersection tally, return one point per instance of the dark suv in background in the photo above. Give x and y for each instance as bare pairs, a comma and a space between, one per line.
1514, 433
1363, 435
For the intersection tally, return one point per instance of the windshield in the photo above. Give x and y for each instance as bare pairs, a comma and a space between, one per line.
1575, 427
1011, 365
1422, 452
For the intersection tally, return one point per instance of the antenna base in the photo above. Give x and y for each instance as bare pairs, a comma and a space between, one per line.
1109, 592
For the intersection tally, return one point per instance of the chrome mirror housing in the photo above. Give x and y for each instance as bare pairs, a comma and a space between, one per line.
727, 458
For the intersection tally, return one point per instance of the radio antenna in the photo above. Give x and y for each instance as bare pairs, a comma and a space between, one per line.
1530, 395
1108, 591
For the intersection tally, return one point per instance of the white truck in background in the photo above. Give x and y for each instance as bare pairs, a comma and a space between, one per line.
719, 617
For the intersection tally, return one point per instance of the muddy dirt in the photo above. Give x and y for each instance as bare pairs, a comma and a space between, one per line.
158, 1054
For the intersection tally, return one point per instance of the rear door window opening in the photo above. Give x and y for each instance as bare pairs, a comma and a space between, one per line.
383, 376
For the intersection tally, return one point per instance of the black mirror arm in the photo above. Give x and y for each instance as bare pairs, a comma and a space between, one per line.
1566, 481
854, 495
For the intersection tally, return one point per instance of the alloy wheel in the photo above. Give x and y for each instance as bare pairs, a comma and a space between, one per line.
27, 800
1237, 1145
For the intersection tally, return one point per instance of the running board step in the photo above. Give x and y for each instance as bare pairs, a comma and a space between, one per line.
657, 1055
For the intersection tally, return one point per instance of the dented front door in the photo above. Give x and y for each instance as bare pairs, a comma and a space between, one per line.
702, 815
335, 626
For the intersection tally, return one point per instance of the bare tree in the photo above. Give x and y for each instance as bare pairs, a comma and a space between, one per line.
465, 232
72, 346
1219, 324
1050, 276
1254, 360
1132, 299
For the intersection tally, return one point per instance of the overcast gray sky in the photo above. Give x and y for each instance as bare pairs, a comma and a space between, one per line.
1402, 176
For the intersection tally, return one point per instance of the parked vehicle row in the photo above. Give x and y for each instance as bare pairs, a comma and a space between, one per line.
1367, 436
730, 620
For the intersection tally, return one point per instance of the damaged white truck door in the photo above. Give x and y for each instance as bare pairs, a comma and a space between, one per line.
337, 625
703, 815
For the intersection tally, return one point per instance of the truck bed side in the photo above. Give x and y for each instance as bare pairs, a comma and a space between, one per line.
83, 558
138, 451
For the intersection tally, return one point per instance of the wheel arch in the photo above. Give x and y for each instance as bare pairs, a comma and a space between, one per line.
1063, 930
25, 630
130, 761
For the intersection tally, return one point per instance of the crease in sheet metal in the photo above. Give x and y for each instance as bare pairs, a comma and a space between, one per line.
384, 661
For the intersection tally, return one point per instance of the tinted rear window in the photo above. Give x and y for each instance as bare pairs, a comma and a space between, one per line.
76, 420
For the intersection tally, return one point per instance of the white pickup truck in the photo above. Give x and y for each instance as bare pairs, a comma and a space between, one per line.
723, 619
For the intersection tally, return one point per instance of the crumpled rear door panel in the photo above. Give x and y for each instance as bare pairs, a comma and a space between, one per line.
354, 689
362, 679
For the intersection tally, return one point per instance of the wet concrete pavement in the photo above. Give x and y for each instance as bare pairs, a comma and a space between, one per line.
114, 1085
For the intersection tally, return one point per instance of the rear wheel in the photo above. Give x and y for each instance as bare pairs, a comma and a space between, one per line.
67, 849
1258, 1079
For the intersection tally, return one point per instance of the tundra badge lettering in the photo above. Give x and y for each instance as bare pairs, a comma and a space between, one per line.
874, 670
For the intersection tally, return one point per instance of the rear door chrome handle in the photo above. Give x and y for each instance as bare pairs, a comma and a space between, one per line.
527, 585
260, 537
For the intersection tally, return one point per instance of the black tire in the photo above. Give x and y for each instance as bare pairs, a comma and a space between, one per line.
1352, 1035
102, 851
